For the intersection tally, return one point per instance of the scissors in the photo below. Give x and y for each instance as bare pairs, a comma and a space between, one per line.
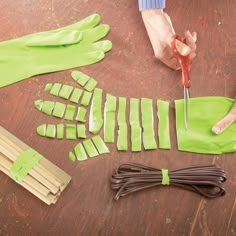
185, 64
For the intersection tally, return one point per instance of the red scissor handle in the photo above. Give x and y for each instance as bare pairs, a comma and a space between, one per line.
184, 61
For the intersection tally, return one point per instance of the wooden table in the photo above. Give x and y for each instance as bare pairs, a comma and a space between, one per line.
130, 69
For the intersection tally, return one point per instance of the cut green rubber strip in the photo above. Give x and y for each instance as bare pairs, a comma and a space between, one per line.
163, 124
65, 91
24, 163
90, 148
149, 141
80, 77
109, 118
80, 152
70, 112
70, 131
48, 87
76, 95
60, 131
100, 145
47, 107
55, 89
72, 156
86, 98
51, 131
59, 109
135, 125
81, 131
38, 104
122, 143
41, 130
203, 113
95, 115
165, 177
81, 113
91, 84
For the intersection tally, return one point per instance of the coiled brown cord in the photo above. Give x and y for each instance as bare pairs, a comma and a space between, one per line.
205, 180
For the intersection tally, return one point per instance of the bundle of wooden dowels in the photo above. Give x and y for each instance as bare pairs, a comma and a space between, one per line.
45, 180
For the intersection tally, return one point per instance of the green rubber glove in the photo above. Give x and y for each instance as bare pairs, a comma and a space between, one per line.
203, 113
68, 47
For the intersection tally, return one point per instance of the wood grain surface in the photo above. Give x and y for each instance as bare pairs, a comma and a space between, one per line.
130, 69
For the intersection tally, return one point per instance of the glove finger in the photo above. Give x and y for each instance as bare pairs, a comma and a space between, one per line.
105, 46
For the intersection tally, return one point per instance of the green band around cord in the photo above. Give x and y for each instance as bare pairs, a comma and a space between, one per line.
165, 177
23, 164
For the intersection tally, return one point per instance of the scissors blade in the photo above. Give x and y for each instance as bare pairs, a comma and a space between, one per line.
186, 97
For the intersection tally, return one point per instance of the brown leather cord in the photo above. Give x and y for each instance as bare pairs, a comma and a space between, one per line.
204, 180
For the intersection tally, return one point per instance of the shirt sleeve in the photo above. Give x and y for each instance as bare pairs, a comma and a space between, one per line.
151, 4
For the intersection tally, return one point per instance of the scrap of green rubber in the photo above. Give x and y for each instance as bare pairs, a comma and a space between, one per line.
90, 148
65, 91
122, 143
91, 84
81, 131
76, 95
109, 119
60, 131
95, 115
86, 98
81, 113
163, 124
47, 107
55, 89
51, 131
80, 152
80, 77
41, 130
149, 141
72, 156
59, 109
70, 112
38, 104
75, 75
135, 125
100, 145
48, 87
70, 131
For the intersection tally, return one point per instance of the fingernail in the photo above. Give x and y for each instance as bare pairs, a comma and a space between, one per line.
216, 130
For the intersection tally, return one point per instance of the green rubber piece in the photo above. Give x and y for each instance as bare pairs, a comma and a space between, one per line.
51, 131
41, 130
65, 91
60, 131
71, 131
86, 98
203, 113
81, 113
76, 95
24, 163
80, 152
109, 119
72, 156
38, 104
48, 87
70, 112
82, 78
47, 107
55, 89
100, 145
81, 131
95, 115
59, 109
90, 148
165, 177
75, 75
149, 141
163, 124
135, 125
91, 84
122, 142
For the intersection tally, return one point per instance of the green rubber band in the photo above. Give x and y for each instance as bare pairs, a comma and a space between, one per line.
65, 91
75, 75
23, 164
109, 118
38, 104
41, 130
51, 131
80, 152
163, 124
59, 109
100, 145
81, 131
86, 98
60, 131
48, 87
90, 148
70, 112
76, 95
47, 107
72, 156
92, 83
71, 131
81, 113
165, 177
55, 89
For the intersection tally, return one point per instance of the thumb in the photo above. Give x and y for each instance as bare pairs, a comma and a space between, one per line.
182, 48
